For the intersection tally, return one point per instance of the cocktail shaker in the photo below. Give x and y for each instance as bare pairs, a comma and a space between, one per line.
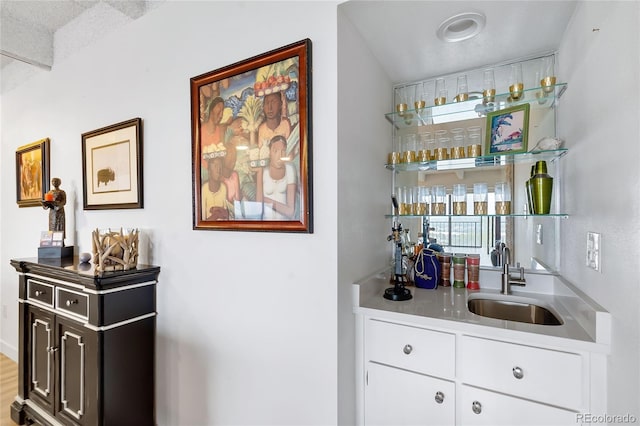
541, 188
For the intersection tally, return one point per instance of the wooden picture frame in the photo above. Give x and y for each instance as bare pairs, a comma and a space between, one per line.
32, 173
251, 143
507, 130
112, 175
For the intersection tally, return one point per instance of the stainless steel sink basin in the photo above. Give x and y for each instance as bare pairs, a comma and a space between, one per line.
522, 310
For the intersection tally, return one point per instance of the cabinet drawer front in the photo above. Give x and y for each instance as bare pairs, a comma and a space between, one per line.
541, 374
72, 302
411, 348
40, 292
482, 407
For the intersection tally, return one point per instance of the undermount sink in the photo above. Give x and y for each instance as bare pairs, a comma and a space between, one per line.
513, 309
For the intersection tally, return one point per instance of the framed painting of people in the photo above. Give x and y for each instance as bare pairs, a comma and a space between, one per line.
32, 173
112, 167
251, 143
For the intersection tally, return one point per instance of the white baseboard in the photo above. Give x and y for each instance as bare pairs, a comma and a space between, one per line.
9, 350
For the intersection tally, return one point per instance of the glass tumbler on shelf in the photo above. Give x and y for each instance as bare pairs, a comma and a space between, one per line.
503, 198
438, 200
480, 198
459, 195
408, 148
474, 141
421, 200
547, 75
458, 148
462, 92
394, 155
423, 152
440, 93
516, 82
488, 87
400, 95
405, 200
442, 145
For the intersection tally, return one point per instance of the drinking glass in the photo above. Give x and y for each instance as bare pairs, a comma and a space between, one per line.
438, 200
442, 145
480, 198
516, 82
488, 86
547, 75
459, 199
441, 92
409, 148
423, 152
421, 200
395, 154
420, 99
462, 94
503, 198
405, 200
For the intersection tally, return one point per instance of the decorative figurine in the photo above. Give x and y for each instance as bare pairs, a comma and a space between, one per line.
54, 201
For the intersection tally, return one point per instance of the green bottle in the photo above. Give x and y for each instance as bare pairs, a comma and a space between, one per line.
541, 189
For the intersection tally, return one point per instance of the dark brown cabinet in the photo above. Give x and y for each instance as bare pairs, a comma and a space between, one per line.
86, 345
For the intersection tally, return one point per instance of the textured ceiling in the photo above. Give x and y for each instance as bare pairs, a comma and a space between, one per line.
402, 34
28, 27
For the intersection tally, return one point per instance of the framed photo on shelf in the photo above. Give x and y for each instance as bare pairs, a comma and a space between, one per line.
112, 167
251, 143
32, 173
507, 130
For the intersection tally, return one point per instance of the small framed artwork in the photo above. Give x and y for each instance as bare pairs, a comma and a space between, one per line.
251, 143
32, 173
112, 167
507, 130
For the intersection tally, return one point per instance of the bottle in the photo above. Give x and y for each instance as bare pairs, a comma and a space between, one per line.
541, 189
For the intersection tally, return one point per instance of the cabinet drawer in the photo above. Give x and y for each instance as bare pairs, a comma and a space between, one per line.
40, 292
412, 348
72, 302
541, 374
482, 407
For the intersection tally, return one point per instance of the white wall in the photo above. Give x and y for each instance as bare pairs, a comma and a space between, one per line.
364, 95
599, 118
247, 324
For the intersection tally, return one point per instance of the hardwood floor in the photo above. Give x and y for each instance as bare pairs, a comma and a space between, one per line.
8, 388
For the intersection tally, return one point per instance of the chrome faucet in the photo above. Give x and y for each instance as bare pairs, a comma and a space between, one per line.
507, 279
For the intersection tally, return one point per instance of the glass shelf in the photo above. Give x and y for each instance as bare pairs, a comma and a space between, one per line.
483, 161
556, 215
474, 108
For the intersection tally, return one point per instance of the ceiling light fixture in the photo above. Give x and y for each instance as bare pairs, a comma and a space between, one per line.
461, 27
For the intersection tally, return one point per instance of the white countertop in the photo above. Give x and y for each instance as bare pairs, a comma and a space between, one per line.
586, 324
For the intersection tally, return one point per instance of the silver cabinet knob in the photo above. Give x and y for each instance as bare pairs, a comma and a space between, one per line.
439, 397
71, 302
518, 373
476, 407
407, 349
39, 293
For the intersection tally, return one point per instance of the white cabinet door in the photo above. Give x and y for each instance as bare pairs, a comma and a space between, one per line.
399, 397
482, 407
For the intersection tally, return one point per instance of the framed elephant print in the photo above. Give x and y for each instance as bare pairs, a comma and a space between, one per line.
112, 167
251, 143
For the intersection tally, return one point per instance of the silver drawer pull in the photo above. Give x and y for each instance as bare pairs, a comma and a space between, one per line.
39, 293
518, 373
407, 349
71, 302
439, 397
476, 407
